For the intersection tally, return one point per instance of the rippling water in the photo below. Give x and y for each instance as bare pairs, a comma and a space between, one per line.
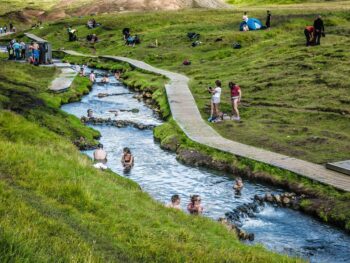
161, 175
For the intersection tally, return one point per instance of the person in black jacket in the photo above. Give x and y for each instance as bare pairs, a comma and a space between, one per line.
319, 30
268, 19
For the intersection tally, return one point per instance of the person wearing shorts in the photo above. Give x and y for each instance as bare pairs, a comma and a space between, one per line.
215, 102
236, 95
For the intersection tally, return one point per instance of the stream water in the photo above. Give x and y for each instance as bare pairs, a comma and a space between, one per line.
161, 175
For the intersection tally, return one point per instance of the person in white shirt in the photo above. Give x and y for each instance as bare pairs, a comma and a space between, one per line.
215, 102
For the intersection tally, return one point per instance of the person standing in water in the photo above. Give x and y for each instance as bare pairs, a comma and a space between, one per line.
92, 76
195, 207
127, 159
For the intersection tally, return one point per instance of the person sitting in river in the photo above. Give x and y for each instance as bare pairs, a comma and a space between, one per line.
90, 113
100, 155
175, 202
105, 79
238, 186
127, 158
117, 75
194, 207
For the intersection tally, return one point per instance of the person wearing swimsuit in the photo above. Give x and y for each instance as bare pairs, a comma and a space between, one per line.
195, 207
127, 158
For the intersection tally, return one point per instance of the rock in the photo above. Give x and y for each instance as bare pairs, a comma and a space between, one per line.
277, 199
286, 200
147, 95
268, 197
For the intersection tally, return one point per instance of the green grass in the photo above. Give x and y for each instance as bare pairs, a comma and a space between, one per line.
295, 99
55, 207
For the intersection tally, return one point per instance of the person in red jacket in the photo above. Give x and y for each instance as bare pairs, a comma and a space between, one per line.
236, 95
309, 34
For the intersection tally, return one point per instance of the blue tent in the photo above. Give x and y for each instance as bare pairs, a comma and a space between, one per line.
253, 24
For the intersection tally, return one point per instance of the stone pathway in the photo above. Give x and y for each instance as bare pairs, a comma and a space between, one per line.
184, 110
64, 79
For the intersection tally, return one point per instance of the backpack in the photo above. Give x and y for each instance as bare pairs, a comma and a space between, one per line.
186, 62
236, 45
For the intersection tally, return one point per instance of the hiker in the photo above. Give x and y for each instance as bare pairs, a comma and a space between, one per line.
72, 34
238, 186
130, 41
309, 34
215, 102
17, 49
10, 51
175, 202
89, 24
5, 29
318, 30
92, 76
268, 19
105, 79
23, 50
194, 207
127, 159
236, 95
11, 27
1, 31
100, 155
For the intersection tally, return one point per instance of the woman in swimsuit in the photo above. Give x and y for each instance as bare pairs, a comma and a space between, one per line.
127, 158
195, 207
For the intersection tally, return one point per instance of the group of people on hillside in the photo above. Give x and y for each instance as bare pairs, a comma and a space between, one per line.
4, 29
236, 95
314, 33
130, 40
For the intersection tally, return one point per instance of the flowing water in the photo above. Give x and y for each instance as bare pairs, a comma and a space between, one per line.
161, 175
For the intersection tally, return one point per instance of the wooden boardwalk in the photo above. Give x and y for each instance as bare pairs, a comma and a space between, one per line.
184, 110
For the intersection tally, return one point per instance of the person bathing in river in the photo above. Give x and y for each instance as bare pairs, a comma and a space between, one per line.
175, 202
92, 77
127, 159
100, 155
117, 75
238, 186
105, 79
195, 207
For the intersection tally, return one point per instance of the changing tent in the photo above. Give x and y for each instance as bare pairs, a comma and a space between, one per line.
253, 24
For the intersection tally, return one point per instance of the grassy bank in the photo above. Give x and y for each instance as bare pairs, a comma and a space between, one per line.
54, 205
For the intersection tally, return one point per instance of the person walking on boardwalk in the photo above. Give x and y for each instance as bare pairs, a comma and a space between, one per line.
319, 30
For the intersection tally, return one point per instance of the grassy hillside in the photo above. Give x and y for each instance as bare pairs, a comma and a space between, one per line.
296, 100
56, 208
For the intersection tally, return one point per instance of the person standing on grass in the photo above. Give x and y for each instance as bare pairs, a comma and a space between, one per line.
23, 50
319, 30
17, 48
236, 95
215, 102
268, 19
